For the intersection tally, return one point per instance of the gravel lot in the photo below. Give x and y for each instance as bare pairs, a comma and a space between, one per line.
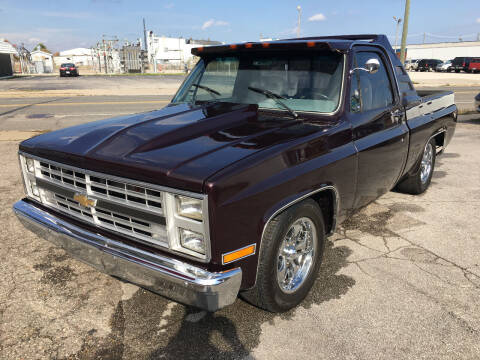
400, 280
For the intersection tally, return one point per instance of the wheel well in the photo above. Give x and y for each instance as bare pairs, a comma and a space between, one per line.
440, 139
327, 202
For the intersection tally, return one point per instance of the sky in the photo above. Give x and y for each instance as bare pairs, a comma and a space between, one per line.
63, 25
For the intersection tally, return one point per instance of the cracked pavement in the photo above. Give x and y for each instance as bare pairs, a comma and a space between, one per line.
400, 279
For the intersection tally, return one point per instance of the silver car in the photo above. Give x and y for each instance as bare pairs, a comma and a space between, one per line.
411, 65
445, 66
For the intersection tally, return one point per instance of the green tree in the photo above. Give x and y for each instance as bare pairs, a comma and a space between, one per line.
41, 46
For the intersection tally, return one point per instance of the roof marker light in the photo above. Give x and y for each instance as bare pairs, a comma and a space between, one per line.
233, 46
248, 45
311, 43
265, 45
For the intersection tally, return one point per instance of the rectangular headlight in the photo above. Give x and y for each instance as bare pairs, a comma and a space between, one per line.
189, 207
30, 164
188, 224
27, 165
192, 240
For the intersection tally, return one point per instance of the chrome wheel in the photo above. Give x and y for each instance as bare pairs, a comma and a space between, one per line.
296, 255
426, 166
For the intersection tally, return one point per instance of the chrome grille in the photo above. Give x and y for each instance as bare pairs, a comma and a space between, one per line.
104, 188
119, 192
145, 212
129, 225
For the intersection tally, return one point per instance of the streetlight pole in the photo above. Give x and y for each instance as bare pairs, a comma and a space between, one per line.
299, 8
397, 21
405, 30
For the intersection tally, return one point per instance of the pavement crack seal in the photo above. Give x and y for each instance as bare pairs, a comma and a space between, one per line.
376, 226
149, 326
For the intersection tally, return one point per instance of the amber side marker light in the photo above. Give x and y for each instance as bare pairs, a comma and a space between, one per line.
238, 254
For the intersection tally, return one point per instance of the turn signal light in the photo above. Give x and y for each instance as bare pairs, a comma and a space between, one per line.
238, 254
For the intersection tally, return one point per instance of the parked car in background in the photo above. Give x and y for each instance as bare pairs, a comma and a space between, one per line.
412, 65
68, 69
474, 65
444, 66
461, 63
234, 187
428, 64
477, 102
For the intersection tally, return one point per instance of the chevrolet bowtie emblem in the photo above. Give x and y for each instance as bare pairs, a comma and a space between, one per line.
84, 200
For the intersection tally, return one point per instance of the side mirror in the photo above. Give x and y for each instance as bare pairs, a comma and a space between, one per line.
371, 66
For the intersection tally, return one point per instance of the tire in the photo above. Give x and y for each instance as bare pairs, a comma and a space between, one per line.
457, 71
269, 293
418, 182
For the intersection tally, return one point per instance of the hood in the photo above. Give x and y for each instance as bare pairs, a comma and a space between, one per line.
179, 146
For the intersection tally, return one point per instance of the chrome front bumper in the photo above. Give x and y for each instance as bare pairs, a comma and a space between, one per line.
171, 278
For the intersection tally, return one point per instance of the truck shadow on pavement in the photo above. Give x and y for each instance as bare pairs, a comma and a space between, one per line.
148, 326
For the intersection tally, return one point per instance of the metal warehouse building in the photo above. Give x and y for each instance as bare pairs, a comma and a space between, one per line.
444, 51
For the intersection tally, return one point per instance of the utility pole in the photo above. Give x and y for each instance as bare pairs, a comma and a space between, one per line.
105, 57
405, 30
299, 8
424, 36
397, 21
144, 35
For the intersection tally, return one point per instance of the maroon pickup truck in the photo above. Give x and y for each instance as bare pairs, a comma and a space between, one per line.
233, 187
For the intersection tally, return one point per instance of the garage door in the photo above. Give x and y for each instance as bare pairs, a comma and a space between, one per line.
5, 65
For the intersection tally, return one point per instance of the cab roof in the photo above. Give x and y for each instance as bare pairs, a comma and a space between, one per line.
341, 43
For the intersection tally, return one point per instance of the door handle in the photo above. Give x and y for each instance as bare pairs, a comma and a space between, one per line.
397, 116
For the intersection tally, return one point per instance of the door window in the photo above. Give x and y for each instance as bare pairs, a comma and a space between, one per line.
370, 91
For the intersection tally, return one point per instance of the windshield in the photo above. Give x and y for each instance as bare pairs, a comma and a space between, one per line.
309, 81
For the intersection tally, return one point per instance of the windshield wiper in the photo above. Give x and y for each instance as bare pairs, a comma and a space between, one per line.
206, 88
275, 97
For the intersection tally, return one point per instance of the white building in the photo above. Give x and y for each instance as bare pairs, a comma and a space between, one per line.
6, 62
443, 51
78, 56
172, 51
42, 60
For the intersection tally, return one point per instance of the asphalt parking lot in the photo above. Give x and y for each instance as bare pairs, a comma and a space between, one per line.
400, 279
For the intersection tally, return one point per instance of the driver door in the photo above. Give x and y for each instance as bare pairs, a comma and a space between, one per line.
380, 133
